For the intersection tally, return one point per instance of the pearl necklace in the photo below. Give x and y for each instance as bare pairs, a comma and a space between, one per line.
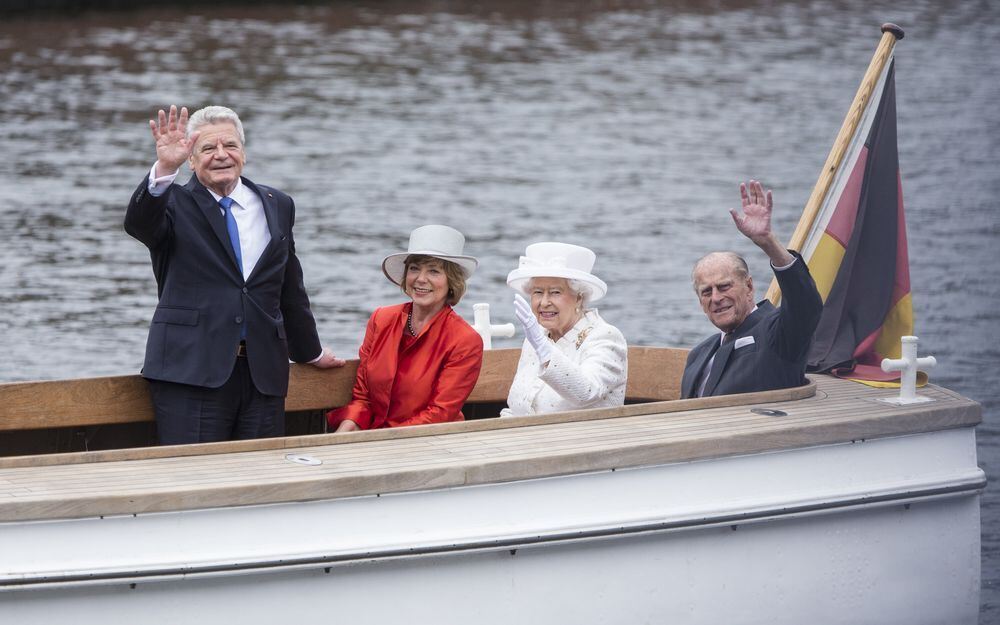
409, 323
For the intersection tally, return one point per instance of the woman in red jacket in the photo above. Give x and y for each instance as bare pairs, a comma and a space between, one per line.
419, 360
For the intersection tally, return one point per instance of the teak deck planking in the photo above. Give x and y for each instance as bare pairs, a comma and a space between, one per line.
457, 454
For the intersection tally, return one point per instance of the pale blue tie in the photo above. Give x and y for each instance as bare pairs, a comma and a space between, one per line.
234, 233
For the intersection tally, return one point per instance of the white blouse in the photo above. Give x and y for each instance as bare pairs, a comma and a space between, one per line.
588, 369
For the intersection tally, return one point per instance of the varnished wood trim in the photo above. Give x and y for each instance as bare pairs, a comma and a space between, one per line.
235, 480
655, 373
481, 425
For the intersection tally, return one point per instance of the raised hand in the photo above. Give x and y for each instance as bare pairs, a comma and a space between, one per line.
532, 330
173, 146
755, 220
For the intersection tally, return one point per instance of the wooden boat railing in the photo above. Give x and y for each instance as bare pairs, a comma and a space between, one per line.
653, 386
655, 376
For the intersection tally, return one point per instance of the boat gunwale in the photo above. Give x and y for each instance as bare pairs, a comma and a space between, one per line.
834, 412
434, 429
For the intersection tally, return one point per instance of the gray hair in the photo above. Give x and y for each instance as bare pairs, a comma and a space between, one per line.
215, 115
736, 262
576, 287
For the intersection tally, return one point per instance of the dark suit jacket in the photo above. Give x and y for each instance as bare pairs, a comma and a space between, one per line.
203, 298
781, 337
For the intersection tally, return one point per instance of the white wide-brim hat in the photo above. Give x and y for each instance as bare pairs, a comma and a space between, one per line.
558, 260
437, 241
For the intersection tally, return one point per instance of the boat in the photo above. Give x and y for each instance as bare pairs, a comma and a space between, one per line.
833, 502
765, 507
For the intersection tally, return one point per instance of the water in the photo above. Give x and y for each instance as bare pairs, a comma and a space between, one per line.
624, 126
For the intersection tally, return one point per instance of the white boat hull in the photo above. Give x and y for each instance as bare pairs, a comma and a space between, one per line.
874, 531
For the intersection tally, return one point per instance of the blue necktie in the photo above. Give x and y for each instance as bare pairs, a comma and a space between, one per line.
234, 238
234, 233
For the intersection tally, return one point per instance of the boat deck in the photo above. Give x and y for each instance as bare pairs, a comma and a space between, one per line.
457, 454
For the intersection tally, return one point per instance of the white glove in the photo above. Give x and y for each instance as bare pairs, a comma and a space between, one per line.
532, 331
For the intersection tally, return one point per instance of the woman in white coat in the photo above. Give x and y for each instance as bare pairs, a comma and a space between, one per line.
571, 358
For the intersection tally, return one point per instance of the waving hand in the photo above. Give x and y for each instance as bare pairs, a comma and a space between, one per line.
754, 222
173, 146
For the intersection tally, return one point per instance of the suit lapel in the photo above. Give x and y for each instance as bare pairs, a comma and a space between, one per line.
213, 213
718, 366
763, 308
271, 214
390, 353
697, 366
722, 355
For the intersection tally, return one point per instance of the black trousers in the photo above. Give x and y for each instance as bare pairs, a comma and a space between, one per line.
234, 411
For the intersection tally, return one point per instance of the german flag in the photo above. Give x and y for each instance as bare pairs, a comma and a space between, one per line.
857, 253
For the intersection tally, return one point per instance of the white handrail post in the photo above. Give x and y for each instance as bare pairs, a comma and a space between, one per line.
487, 330
908, 366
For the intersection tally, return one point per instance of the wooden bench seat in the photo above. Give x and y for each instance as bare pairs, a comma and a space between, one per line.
654, 375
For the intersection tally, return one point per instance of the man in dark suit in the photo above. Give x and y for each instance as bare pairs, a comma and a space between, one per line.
232, 305
760, 347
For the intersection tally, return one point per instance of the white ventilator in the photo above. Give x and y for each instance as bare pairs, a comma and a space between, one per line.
487, 330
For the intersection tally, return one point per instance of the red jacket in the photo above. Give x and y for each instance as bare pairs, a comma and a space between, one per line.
425, 382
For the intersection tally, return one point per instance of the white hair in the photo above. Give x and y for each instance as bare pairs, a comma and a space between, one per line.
738, 265
215, 115
577, 287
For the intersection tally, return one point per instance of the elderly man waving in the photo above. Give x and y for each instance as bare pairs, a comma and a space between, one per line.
759, 347
232, 306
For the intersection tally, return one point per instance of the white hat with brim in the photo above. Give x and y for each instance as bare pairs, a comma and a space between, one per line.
558, 260
438, 241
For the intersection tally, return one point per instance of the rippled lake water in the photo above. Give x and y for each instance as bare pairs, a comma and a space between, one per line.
624, 126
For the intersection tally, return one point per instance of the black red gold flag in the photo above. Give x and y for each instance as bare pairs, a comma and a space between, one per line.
857, 253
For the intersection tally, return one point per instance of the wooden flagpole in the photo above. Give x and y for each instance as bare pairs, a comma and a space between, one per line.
890, 34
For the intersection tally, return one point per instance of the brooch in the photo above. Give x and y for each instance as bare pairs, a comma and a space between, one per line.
581, 337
